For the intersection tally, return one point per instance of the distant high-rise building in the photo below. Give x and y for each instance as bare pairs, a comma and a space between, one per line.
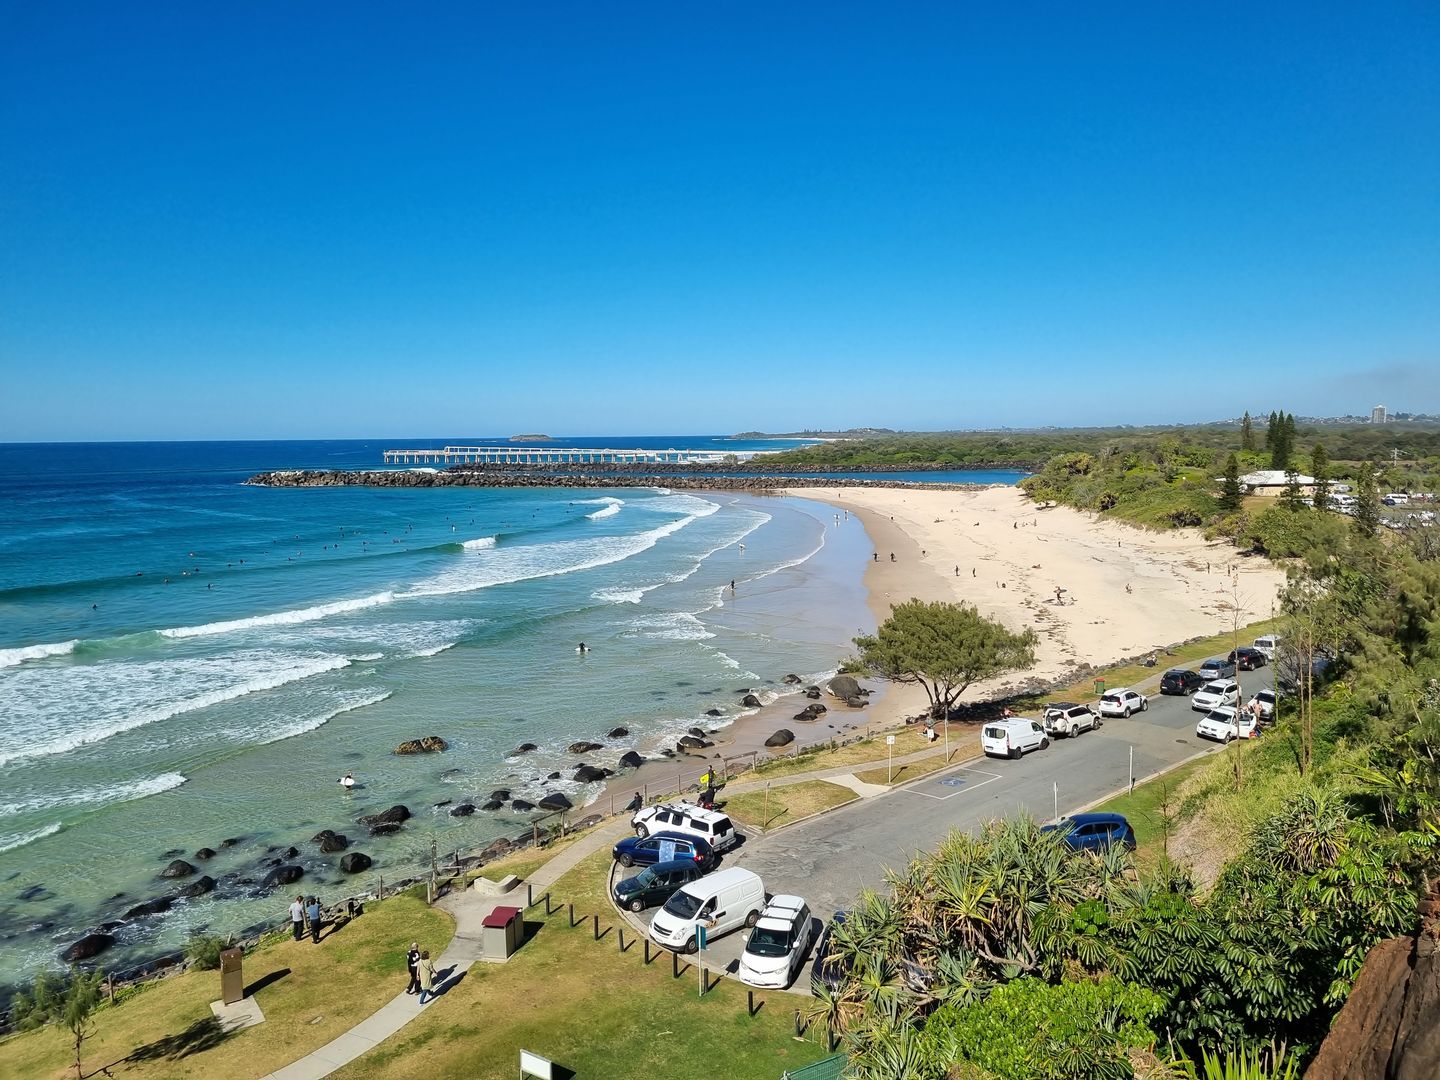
1377, 414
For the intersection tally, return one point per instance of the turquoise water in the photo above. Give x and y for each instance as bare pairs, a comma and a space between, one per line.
184, 659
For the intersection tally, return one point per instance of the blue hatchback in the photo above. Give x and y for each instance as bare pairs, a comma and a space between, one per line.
1094, 832
663, 847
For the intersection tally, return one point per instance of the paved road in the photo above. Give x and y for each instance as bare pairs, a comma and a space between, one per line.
829, 859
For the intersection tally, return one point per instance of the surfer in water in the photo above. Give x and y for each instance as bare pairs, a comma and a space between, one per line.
582, 648
347, 781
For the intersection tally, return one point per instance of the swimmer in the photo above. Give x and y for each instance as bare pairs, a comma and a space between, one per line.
582, 648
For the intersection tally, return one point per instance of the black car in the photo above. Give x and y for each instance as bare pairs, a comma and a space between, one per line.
1181, 681
654, 884
1246, 658
828, 971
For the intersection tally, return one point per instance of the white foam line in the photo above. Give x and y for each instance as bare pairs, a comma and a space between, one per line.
310, 725
200, 701
479, 544
606, 511
281, 618
11, 657
138, 789
437, 650
15, 840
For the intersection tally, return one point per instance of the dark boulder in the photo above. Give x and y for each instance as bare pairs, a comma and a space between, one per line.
393, 816
555, 801
496, 849
231, 841
692, 742
713, 712
283, 875
618, 733
630, 760
501, 793
199, 887
354, 862
523, 748
442, 802
588, 774
385, 828
750, 701
464, 809
522, 805
174, 852
490, 804
553, 776
584, 747
813, 693
292, 853
792, 680
88, 946
783, 737
857, 702
178, 868
35, 892
844, 687
696, 733
810, 712
205, 853
331, 842
430, 744
157, 906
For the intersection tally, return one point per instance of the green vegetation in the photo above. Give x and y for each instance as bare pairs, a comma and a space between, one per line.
943, 648
69, 1004
793, 802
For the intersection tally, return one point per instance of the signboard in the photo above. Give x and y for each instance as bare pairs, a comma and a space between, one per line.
889, 740
700, 935
536, 1066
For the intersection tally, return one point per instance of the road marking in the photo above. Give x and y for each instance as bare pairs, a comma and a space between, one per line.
959, 789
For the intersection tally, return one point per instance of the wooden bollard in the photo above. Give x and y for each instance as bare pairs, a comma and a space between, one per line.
648, 957
596, 927
620, 936
750, 1006
674, 965
529, 896
571, 909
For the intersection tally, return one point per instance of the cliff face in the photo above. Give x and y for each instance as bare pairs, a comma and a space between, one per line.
1389, 1028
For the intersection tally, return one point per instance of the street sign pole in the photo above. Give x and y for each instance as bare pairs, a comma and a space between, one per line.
1132, 770
890, 767
1056, 787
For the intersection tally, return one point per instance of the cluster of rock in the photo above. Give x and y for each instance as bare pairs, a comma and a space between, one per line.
430, 744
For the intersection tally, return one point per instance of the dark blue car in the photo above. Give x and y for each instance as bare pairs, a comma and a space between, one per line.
663, 847
1094, 832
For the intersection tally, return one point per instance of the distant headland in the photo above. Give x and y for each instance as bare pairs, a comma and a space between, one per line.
532, 438
848, 433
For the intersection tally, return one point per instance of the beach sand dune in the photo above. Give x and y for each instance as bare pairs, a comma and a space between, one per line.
995, 549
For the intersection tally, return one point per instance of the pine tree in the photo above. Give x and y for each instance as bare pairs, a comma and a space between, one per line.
1247, 432
1292, 498
1320, 469
1367, 502
1230, 486
1272, 426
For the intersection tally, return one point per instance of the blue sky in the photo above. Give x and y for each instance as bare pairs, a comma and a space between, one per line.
333, 220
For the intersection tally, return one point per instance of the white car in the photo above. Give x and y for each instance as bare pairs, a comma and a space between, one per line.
1221, 692
1123, 703
687, 819
1265, 701
1220, 724
776, 950
1012, 738
1065, 720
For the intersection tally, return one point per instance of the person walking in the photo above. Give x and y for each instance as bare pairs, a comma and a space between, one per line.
412, 965
427, 977
312, 910
297, 918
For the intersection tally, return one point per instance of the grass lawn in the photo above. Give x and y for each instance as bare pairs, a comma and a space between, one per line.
882, 774
317, 993
1151, 803
582, 1004
787, 804
864, 752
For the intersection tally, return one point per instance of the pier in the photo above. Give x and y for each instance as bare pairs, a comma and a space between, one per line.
550, 455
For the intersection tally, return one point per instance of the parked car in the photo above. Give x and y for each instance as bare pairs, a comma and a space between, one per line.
1181, 681
775, 951
1218, 667
663, 847
711, 826
722, 902
1093, 832
1267, 644
1214, 694
1067, 720
1012, 738
1221, 725
829, 971
1265, 699
1123, 703
654, 884
1247, 658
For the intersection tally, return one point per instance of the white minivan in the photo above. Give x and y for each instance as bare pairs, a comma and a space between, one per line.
722, 902
1267, 644
1012, 737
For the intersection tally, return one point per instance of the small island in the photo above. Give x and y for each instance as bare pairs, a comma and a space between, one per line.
532, 438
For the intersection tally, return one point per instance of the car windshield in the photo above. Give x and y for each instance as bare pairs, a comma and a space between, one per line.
1215, 688
644, 879
767, 942
682, 905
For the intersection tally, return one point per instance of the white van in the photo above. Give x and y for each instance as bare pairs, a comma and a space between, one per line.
722, 902
1267, 644
1012, 737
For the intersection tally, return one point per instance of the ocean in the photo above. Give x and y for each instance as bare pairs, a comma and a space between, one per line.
186, 660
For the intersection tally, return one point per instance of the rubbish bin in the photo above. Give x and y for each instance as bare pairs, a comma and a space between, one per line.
502, 929
232, 979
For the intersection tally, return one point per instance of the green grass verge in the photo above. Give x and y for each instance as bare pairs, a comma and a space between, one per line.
786, 804
583, 1004
885, 775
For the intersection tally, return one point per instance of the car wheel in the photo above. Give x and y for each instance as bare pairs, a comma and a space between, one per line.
642, 831
1015, 753
691, 945
750, 919
637, 904
1044, 744
1145, 704
626, 860
1229, 737
1128, 712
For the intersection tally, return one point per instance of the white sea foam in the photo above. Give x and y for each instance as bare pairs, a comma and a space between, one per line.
621, 596
479, 544
16, 840
281, 618
115, 793
435, 650
606, 511
669, 626
299, 727
46, 715
11, 657
367, 657
604, 500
